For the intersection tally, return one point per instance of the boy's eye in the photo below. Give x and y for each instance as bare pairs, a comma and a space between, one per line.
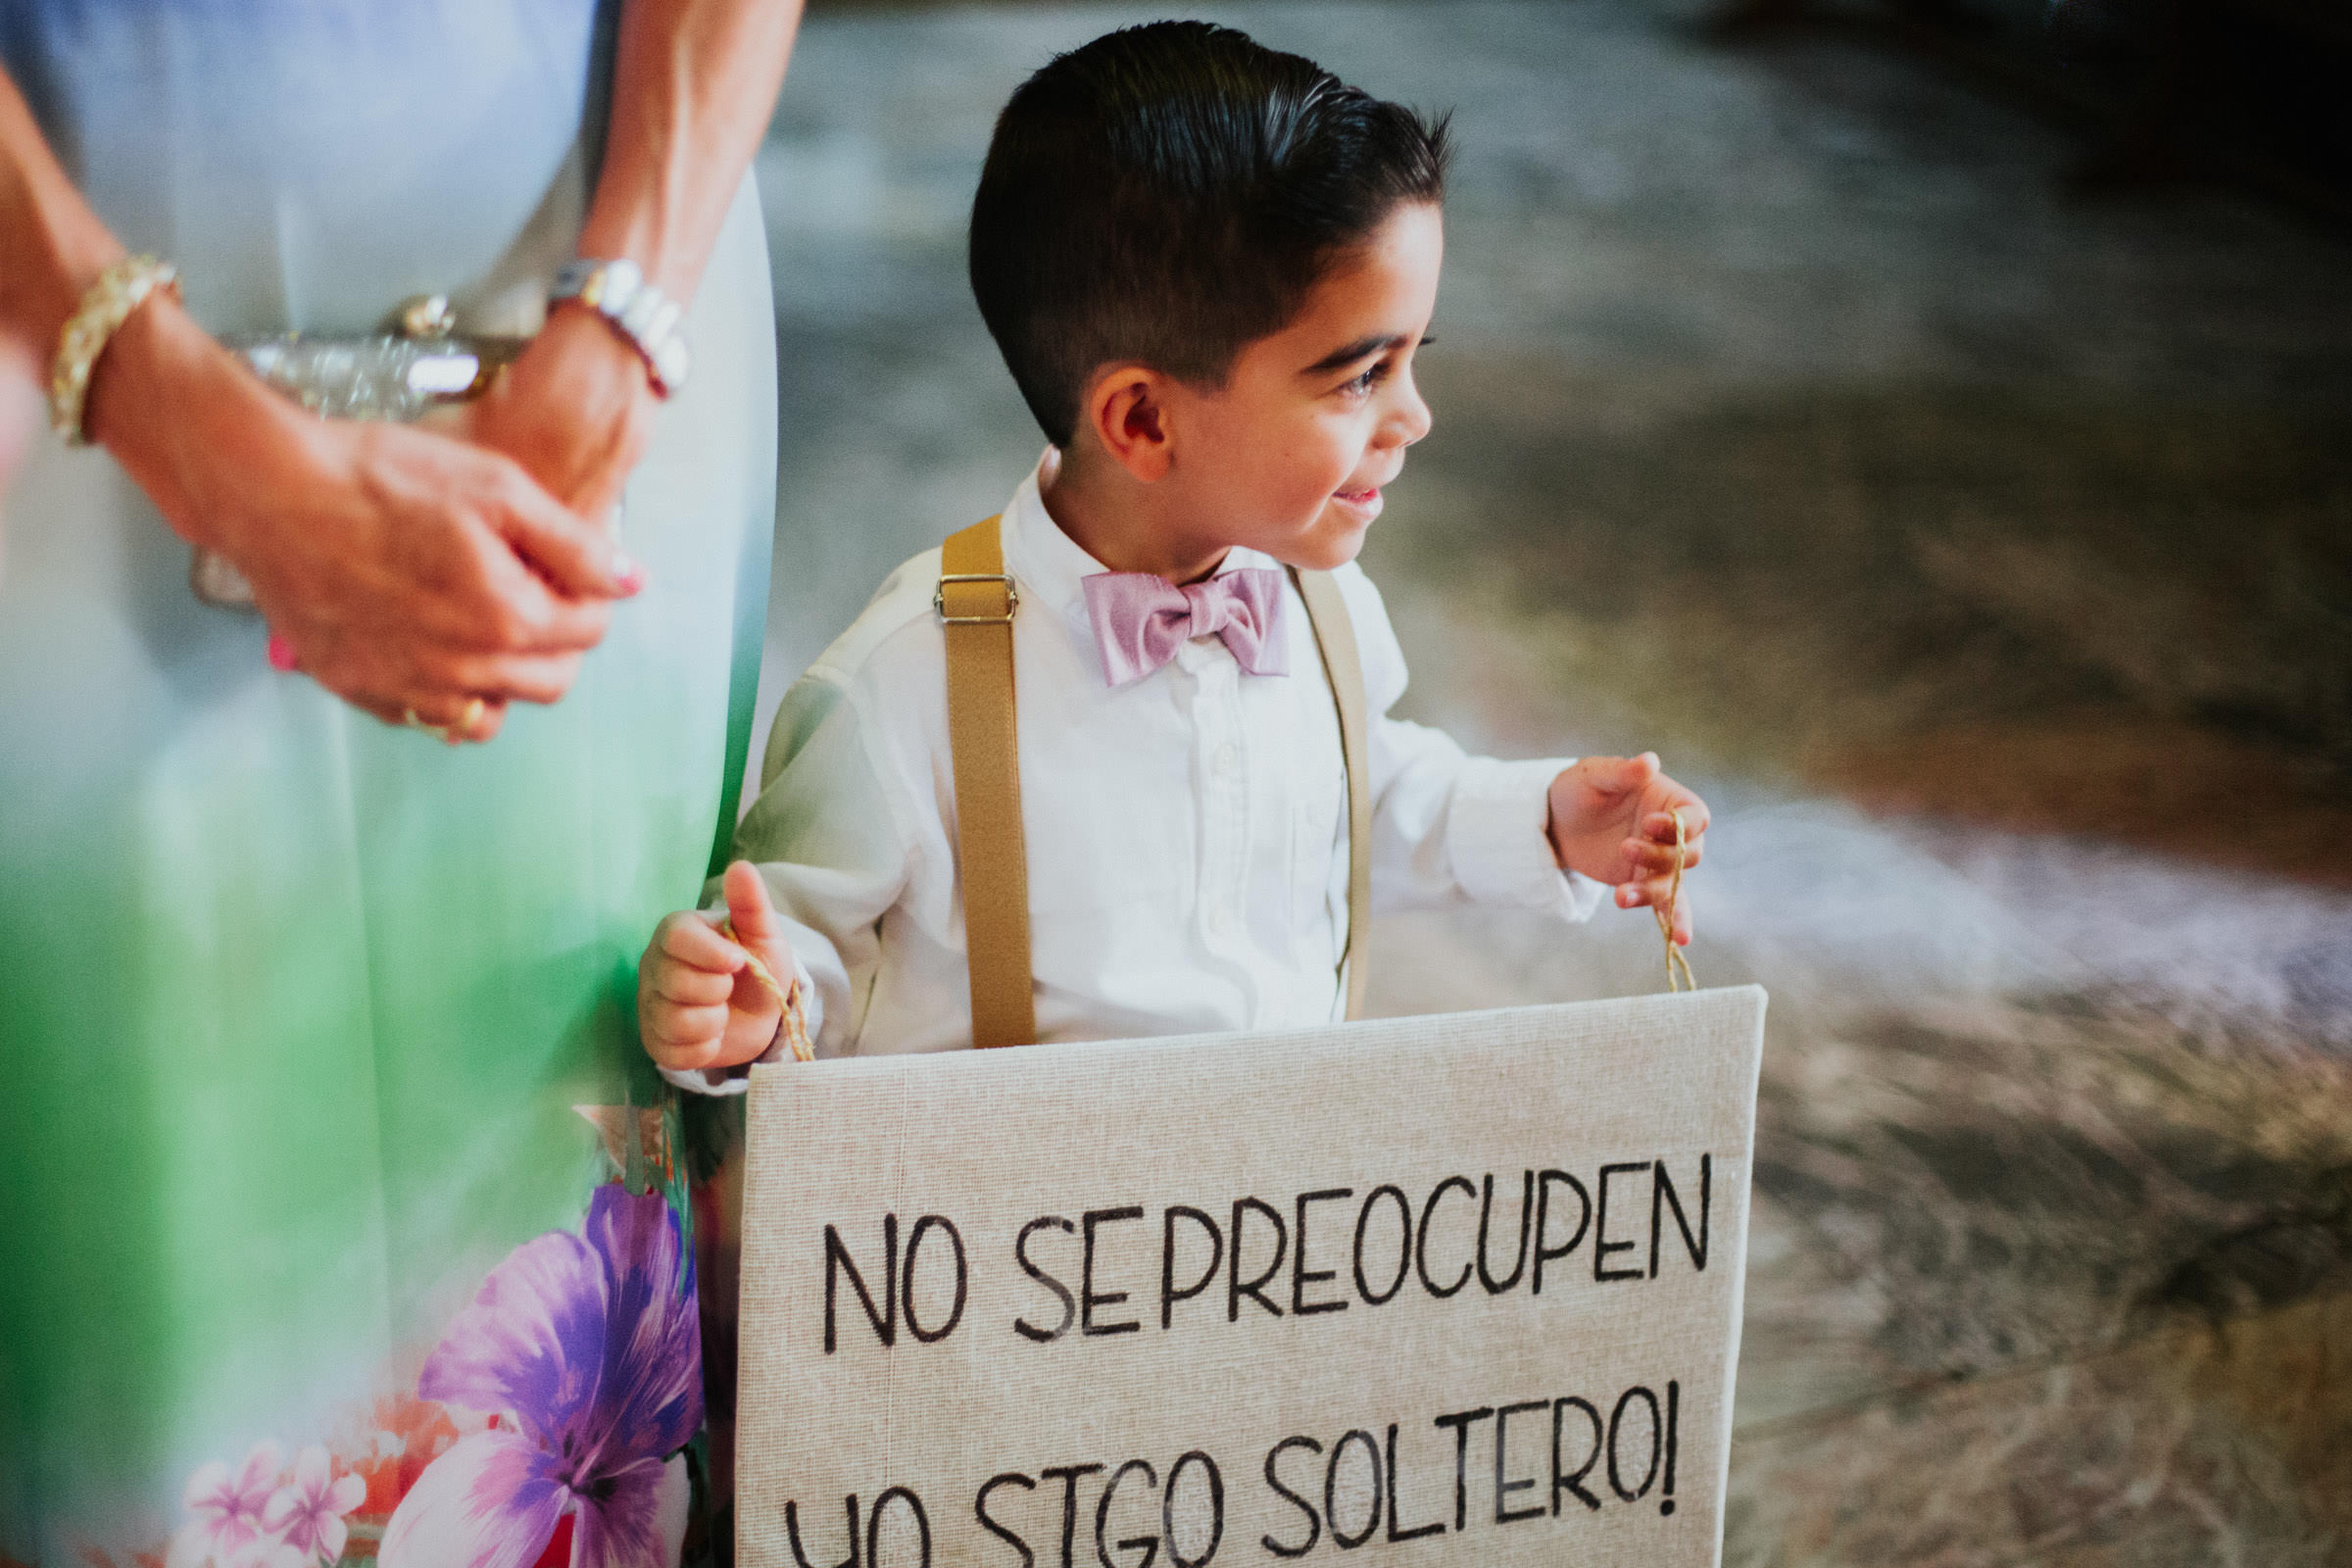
1376, 372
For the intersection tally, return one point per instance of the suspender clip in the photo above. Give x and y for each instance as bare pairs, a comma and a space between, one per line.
938, 599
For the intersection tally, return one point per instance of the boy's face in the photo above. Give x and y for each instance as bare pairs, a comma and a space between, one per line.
1290, 455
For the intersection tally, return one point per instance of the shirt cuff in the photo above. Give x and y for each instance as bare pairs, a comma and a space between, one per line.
721, 1082
716, 1082
1496, 838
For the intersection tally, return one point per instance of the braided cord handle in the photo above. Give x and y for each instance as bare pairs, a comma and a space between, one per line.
1677, 968
791, 1030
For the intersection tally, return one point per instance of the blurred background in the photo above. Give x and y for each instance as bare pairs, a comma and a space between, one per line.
1929, 426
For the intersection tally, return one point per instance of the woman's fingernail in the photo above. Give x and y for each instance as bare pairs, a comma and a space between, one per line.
281, 653
629, 574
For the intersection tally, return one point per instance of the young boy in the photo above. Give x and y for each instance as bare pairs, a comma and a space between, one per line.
1208, 267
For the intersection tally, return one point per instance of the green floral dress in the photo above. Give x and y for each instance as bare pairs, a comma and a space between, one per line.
337, 1224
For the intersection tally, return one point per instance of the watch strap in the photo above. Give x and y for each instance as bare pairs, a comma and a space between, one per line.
644, 317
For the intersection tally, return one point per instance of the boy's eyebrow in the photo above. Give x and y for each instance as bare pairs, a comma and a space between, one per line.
1362, 348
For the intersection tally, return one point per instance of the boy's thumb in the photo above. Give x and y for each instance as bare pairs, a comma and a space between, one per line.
1636, 772
748, 911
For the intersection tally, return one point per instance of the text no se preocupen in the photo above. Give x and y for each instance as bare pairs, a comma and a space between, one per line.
1317, 1255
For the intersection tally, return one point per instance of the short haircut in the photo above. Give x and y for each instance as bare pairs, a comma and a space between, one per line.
1169, 194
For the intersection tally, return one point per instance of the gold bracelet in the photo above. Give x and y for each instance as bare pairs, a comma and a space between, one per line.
119, 290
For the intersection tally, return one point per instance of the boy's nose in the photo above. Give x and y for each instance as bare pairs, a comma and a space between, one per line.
1411, 420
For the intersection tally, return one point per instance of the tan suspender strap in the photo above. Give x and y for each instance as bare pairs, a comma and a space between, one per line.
976, 601
1335, 635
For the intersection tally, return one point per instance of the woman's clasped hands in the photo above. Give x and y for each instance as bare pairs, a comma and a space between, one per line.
430, 576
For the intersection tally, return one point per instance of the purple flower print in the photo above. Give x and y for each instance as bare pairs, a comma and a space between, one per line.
227, 1530
307, 1513
588, 1343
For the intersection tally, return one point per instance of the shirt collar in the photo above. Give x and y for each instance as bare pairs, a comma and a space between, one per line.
1052, 566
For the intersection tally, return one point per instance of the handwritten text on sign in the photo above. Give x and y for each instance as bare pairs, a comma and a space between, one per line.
1457, 1290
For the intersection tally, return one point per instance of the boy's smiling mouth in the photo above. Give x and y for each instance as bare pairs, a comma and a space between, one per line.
1364, 500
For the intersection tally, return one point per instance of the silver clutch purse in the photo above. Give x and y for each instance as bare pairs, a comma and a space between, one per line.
419, 363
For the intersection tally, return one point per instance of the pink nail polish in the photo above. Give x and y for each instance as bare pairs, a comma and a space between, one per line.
281, 653
629, 574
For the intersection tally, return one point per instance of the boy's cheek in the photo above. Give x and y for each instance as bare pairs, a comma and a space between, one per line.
1336, 540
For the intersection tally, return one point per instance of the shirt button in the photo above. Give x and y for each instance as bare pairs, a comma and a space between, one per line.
1229, 758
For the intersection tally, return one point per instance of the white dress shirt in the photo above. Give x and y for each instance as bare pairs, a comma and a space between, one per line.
1186, 832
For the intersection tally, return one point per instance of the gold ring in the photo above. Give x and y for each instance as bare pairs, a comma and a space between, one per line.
474, 709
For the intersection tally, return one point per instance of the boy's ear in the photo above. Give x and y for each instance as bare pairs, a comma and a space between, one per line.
1127, 408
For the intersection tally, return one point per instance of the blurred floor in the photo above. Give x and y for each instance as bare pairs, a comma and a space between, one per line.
1986, 558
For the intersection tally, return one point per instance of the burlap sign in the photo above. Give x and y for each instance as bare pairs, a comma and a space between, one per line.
1456, 1290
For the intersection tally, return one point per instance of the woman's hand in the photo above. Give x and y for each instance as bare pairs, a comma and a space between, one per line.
416, 574
574, 410
412, 574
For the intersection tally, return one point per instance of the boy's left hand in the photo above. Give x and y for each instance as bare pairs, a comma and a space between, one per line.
1610, 821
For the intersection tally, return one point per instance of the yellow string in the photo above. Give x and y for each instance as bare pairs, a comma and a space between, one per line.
793, 1025
1677, 967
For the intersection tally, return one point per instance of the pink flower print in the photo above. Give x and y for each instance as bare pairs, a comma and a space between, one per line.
589, 1344
307, 1513
227, 1531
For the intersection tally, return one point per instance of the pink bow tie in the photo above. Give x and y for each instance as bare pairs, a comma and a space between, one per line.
1141, 621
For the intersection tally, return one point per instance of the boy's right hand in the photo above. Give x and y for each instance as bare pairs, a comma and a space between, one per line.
698, 1004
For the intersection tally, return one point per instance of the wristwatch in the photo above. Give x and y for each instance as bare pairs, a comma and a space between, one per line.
646, 318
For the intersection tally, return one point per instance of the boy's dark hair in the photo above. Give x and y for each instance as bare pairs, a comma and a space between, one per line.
1168, 193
